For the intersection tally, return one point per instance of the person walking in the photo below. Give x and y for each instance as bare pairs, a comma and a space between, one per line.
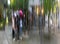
14, 27
13, 24
21, 23
25, 29
17, 24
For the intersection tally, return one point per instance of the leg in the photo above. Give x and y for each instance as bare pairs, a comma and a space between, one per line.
13, 33
20, 31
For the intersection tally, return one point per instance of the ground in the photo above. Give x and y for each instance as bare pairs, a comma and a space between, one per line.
34, 37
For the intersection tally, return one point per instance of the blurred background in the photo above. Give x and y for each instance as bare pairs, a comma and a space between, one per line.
42, 21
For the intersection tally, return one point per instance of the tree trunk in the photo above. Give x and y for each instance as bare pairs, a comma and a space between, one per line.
48, 23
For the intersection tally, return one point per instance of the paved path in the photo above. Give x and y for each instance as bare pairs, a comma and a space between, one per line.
3, 39
33, 39
6, 38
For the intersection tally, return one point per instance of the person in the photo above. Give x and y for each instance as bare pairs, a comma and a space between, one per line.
17, 24
13, 24
24, 27
14, 27
24, 23
21, 23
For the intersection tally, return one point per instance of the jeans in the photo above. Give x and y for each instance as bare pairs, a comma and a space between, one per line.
16, 33
20, 31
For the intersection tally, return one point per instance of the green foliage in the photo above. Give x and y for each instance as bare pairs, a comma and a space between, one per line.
48, 5
1, 12
19, 4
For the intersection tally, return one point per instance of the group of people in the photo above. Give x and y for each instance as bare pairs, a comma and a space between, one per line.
17, 24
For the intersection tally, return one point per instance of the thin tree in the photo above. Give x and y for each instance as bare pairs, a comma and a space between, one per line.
48, 5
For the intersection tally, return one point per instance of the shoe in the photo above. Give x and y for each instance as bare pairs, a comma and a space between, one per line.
20, 38
14, 39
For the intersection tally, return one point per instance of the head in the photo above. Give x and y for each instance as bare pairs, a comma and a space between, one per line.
20, 12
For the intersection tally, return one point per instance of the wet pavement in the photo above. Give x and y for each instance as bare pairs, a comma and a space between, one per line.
34, 38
